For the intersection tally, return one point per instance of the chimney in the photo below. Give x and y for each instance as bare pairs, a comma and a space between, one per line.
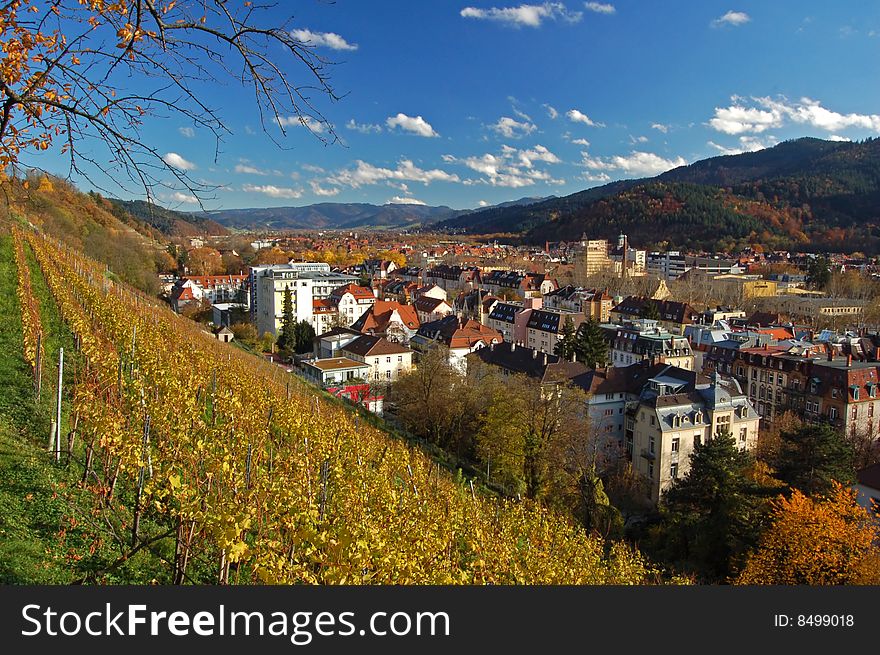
877, 354
830, 353
849, 360
534, 354
491, 346
545, 359
512, 346
765, 345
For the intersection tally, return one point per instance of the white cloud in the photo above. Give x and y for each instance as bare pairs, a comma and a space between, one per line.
401, 200
636, 163
581, 142
772, 113
416, 125
577, 116
249, 170
732, 18
184, 197
600, 8
326, 39
837, 137
482, 203
524, 15
512, 128
187, 132
538, 153
363, 128
365, 173
176, 161
311, 168
273, 191
737, 119
637, 139
660, 127
312, 124
318, 190
511, 168
601, 178
551, 111
746, 144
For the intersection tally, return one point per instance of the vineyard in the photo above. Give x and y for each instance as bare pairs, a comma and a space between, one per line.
225, 469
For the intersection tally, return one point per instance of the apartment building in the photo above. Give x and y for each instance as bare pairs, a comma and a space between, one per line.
544, 327
307, 282
595, 304
671, 418
351, 302
673, 315
511, 318
814, 382
387, 360
645, 339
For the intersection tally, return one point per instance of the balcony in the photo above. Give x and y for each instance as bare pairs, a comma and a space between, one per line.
648, 455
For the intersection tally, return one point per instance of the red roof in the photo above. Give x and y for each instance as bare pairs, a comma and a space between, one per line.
323, 306
206, 281
359, 292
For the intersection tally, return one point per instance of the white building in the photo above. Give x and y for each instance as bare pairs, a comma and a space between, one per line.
307, 282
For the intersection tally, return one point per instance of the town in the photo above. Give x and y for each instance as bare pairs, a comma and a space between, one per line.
668, 348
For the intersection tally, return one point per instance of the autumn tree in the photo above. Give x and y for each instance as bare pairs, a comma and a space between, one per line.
435, 402
817, 541
812, 457
81, 74
204, 261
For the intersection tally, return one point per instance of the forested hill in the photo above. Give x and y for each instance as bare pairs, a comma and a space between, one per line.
805, 193
89, 223
170, 222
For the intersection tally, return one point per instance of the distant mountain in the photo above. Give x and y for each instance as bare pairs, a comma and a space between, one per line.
170, 222
521, 216
331, 216
805, 193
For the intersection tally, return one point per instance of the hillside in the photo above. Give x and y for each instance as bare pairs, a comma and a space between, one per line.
88, 223
807, 193
329, 216
170, 222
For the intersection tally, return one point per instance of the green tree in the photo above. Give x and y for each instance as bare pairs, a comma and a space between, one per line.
590, 345
714, 515
304, 335
810, 458
287, 338
566, 346
650, 311
818, 272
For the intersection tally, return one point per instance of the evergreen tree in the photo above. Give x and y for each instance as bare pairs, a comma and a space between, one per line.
714, 515
287, 337
650, 311
811, 457
566, 346
305, 335
590, 345
818, 272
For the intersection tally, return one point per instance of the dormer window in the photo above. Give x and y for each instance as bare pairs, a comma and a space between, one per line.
698, 417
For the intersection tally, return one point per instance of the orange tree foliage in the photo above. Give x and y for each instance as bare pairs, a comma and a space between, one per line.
87, 72
825, 541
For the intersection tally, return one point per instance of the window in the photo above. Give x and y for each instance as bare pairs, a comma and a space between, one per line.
673, 470
834, 393
743, 433
754, 374
675, 444
651, 446
388, 374
609, 412
653, 422
739, 371
400, 358
833, 413
698, 439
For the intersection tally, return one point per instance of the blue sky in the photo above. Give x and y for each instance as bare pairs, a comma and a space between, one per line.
470, 103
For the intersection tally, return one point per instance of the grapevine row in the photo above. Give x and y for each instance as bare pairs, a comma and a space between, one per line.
263, 481
31, 326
